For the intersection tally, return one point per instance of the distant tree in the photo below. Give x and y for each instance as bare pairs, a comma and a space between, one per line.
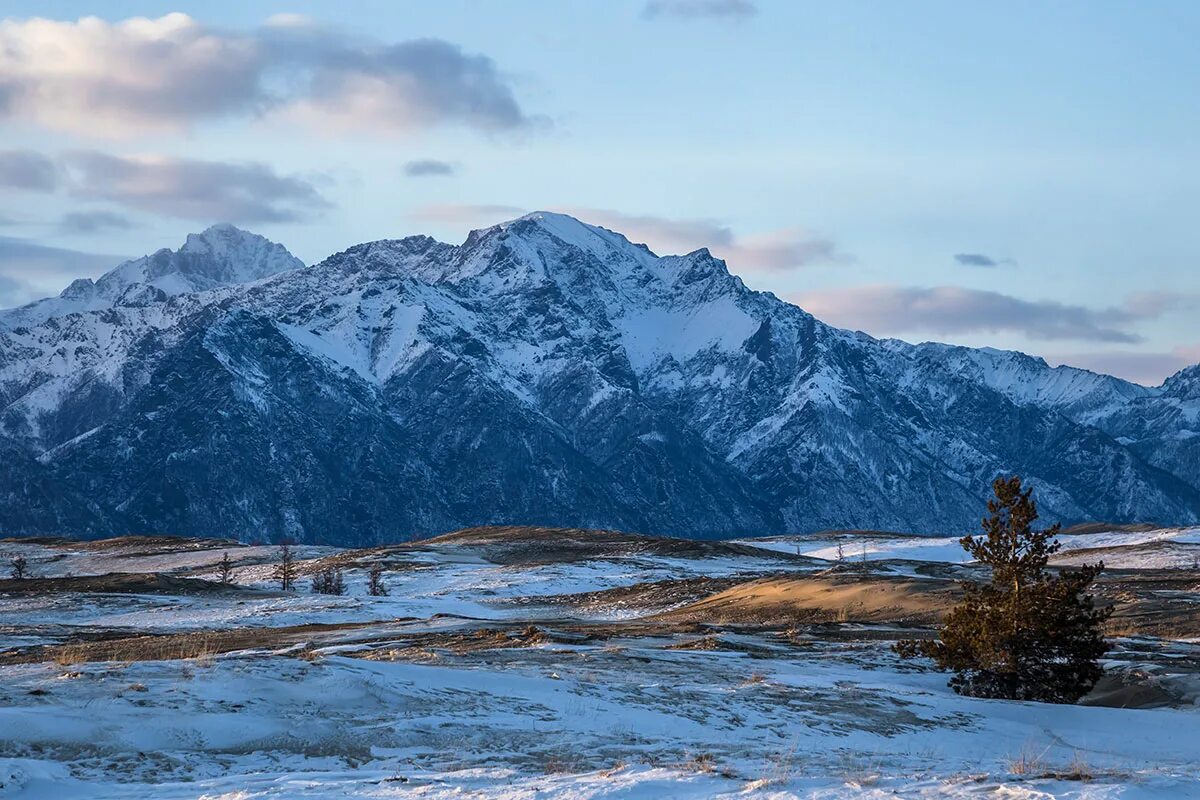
329, 581
1028, 634
841, 553
375, 585
285, 570
225, 569
18, 565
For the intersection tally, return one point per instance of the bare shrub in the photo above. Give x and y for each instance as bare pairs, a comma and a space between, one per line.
329, 581
375, 585
225, 569
1028, 762
18, 565
285, 570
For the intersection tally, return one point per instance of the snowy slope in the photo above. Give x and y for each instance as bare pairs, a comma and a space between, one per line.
222, 255
544, 371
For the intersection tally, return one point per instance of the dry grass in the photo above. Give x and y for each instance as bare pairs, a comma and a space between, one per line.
141, 648
814, 599
178, 646
859, 772
563, 764
1030, 762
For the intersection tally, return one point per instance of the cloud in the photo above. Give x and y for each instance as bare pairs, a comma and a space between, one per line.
947, 310
29, 270
784, 249
1154, 304
27, 170
242, 192
428, 167
96, 77
980, 260
407, 86
1146, 368
1189, 353
85, 222
696, 9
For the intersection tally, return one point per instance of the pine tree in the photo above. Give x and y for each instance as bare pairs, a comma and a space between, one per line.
375, 586
285, 570
1028, 634
225, 569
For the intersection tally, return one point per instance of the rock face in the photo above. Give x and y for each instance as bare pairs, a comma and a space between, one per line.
545, 372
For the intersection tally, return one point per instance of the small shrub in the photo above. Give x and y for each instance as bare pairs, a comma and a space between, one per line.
1027, 763
375, 585
329, 581
285, 571
225, 569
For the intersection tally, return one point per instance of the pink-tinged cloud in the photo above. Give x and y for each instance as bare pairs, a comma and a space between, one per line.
100, 78
784, 249
949, 310
1147, 368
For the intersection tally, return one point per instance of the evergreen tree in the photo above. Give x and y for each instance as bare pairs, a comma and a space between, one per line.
1028, 634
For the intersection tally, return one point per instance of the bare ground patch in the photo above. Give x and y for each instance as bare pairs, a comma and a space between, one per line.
119, 583
529, 546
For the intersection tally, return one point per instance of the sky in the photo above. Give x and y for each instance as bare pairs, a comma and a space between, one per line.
1013, 174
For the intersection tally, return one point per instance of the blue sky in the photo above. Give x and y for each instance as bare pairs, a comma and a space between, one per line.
1013, 174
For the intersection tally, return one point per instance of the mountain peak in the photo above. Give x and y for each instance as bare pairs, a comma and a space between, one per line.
247, 253
222, 234
220, 255
1185, 383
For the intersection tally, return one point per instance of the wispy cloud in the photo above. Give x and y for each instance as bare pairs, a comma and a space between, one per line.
784, 249
95, 77
27, 170
206, 191
29, 270
948, 310
980, 260
87, 222
1147, 368
428, 167
699, 9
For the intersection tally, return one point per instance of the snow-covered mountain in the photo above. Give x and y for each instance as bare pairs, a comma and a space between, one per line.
544, 372
220, 256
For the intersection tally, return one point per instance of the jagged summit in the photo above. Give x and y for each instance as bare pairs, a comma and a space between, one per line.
221, 255
546, 372
1184, 384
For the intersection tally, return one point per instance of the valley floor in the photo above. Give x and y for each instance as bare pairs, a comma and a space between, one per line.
524, 663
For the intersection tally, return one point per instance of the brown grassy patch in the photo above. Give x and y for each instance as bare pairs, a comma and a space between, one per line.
838, 598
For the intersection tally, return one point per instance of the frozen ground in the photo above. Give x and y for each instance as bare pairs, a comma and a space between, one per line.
472, 679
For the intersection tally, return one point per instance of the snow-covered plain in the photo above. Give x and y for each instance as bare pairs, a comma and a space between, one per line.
947, 548
823, 712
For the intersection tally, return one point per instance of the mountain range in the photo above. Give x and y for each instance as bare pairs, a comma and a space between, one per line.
544, 372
